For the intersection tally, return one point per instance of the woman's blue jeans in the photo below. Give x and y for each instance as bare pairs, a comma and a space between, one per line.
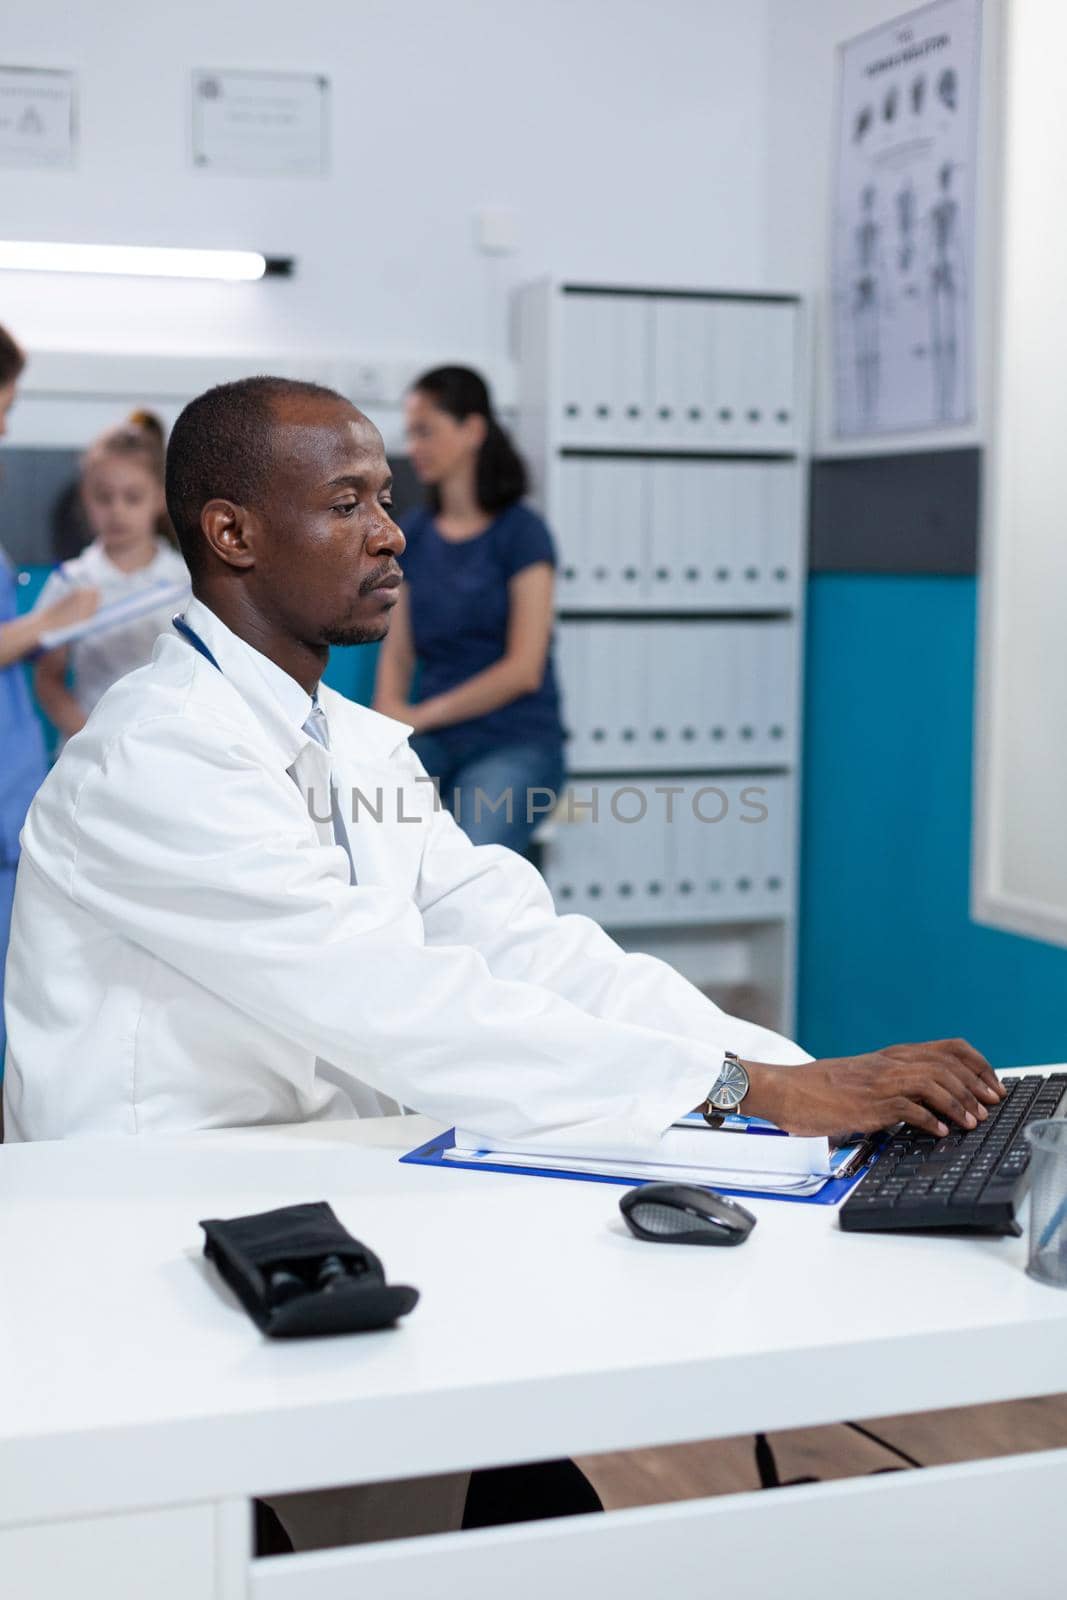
498, 796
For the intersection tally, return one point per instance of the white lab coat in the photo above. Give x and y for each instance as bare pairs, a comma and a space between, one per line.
187, 950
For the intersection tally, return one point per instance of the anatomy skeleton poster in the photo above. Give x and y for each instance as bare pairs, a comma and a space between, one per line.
903, 224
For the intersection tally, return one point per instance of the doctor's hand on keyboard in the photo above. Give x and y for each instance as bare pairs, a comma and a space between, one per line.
927, 1085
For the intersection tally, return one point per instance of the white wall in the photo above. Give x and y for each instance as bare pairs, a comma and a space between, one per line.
804, 36
1021, 865
630, 139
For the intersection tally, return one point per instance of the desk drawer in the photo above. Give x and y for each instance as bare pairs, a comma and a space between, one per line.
937, 1530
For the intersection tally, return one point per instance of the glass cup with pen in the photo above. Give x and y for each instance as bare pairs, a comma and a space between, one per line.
1048, 1202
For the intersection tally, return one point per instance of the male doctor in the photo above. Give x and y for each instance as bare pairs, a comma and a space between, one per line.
202, 939
239, 902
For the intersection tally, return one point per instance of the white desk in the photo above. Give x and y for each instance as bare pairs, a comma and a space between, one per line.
140, 1408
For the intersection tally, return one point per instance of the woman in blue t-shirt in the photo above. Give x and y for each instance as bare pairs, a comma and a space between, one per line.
474, 619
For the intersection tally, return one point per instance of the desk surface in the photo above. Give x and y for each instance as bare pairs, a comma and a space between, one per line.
131, 1377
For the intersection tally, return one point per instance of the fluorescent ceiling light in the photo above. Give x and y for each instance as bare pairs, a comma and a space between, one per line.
145, 261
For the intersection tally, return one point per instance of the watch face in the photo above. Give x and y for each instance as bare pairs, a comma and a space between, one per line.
731, 1087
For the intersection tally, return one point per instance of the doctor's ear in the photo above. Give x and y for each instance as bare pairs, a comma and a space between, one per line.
227, 529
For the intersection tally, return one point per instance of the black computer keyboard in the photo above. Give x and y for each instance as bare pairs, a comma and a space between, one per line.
966, 1180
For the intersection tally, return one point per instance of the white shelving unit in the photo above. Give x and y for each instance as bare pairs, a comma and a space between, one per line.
665, 430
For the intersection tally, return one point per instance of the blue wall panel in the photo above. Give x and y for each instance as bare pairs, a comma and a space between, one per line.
351, 671
888, 951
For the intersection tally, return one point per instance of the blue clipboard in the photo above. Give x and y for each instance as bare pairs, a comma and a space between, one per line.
431, 1154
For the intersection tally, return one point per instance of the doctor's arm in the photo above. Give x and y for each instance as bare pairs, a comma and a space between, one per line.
498, 902
186, 846
495, 900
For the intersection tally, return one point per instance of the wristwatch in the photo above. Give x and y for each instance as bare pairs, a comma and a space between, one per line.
727, 1092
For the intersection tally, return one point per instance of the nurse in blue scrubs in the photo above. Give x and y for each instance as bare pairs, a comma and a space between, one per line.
22, 754
474, 619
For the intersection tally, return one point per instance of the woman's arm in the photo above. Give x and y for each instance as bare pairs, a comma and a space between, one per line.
396, 663
56, 700
21, 636
520, 670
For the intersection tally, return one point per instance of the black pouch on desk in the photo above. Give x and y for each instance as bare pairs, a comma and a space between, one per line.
298, 1272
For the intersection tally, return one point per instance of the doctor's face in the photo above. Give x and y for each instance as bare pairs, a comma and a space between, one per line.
327, 564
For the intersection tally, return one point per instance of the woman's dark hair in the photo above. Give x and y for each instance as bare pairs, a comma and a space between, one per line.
501, 476
12, 359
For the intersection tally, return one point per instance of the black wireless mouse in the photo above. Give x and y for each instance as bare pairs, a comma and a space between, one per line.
682, 1213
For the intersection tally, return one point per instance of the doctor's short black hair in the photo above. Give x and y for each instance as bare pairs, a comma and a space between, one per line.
220, 449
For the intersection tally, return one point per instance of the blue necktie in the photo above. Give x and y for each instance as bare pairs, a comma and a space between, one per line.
317, 728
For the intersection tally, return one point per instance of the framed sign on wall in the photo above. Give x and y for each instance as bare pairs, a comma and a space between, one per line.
271, 124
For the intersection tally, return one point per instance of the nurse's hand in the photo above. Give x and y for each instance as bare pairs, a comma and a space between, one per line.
74, 607
927, 1085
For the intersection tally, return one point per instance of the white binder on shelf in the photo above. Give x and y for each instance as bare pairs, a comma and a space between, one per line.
576, 376
762, 523
681, 342
603, 709
779, 365
770, 850
571, 527
606, 865
617, 529
635, 848
691, 588
755, 416
576, 861
747, 563
601, 509
689, 896
750, 698
718, 539
702, 665
781, 729
667, 374
765, 691
633, 546
720, 798
728, 333
574, 689
612, 685
761, 826
591, 369
640, 851
627, 332
660, 646
626, 689
700, 411
712, 665
665, 534
784, 532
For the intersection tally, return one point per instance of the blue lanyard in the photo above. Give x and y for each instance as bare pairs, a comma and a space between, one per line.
191, 636
340, 832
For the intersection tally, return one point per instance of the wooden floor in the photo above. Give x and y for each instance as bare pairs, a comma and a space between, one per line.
727, 1466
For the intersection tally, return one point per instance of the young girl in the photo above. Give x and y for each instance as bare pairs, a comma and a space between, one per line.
141, 578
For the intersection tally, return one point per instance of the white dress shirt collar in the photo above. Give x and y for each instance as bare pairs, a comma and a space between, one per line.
282, 705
